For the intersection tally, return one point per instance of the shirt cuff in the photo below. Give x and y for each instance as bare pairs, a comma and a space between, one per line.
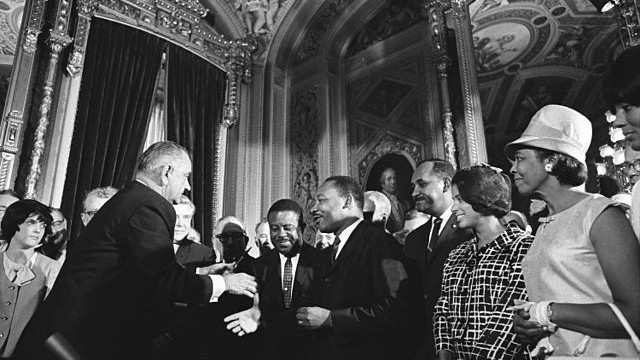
218, 287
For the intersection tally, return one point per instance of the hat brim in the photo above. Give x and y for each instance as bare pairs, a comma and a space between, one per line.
551, 144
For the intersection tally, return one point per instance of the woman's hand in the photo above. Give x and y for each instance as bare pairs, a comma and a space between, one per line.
528, 332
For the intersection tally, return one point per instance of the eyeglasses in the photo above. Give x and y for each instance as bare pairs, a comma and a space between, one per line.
57, 223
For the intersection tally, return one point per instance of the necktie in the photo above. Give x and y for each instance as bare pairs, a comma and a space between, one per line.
334, 250
288, 282
434, 232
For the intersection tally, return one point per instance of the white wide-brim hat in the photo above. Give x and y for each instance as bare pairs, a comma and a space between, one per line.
556, 128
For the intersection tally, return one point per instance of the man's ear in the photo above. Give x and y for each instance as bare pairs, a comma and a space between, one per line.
164, 174
446, 184
347, 203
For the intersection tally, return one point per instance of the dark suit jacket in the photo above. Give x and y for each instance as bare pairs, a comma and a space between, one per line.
285, 340
192, 255
431, 263
371, 298
200, 332
118, 275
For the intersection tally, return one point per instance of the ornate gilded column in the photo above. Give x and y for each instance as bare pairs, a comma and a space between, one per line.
441, 59
56, 43
21, 81
238, 64
476, 147
86, 9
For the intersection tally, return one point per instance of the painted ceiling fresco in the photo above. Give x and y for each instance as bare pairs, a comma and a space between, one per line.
10, 20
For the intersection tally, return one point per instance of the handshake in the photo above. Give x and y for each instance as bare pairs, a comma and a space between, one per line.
247, 321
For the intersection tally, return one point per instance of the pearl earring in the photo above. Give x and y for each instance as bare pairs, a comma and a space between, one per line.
548, 168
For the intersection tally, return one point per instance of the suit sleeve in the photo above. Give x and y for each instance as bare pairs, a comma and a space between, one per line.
389, 307
149, 239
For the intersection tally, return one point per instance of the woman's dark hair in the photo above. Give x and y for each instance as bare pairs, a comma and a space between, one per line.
566, 169
19, 211
486, 189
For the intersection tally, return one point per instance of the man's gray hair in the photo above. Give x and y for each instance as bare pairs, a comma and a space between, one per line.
105, 192
159, 154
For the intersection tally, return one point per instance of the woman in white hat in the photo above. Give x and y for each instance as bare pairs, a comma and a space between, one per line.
584, 256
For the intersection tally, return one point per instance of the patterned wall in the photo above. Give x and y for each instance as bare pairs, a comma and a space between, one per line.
305, 118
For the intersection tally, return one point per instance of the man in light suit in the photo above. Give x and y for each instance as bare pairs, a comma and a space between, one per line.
430, 244
367, 300
288, 278
108, 299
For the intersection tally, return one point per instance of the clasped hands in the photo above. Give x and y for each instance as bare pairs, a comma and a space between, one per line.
532, 325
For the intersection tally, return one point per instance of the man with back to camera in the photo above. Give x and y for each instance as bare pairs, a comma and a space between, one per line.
368, 303
429, 245
122, 270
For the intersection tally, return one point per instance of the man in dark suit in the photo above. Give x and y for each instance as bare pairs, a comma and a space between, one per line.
288, 278
430, 244
106, 301
366, 305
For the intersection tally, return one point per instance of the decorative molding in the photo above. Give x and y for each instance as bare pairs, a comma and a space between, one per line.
313, 39
175, 20
442, 61
476, 147
56, 43
86, 9
218, 175
388, 145
239, 62
305, 121
11, 125
34, 26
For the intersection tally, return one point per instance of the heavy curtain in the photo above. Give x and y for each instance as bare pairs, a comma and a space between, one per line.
113, 110
195, 99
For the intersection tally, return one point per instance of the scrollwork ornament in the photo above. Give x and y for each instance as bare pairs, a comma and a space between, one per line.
30, 40
75, 62
87, 7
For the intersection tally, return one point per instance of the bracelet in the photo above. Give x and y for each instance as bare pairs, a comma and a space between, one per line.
549, 312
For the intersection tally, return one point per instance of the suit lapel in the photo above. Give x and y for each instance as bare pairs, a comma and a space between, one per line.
436, 246
351, 244
274, 277
304, 275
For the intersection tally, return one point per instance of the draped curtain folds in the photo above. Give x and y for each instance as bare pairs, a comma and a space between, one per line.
195, 100
113, 110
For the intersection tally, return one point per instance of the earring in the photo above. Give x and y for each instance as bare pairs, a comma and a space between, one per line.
548, 168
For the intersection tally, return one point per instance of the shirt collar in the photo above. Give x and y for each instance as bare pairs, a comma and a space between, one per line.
346, 233
444, 216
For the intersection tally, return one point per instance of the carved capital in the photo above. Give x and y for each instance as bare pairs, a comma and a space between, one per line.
34, 26
30, 41
239, 58
57, 42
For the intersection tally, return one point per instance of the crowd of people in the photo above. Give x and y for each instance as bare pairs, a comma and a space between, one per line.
461, 276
